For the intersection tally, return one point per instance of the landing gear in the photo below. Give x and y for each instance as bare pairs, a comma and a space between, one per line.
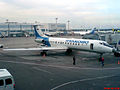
43, 53
68, 52
117, 53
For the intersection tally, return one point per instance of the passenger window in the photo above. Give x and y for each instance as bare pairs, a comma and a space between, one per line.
8, 81
1, 82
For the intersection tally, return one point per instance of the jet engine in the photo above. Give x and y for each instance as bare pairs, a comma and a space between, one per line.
40, 41
1, 46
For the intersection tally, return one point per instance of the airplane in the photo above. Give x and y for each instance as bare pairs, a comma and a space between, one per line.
50, 33
82, 33
68, 44
53, 33
105, 32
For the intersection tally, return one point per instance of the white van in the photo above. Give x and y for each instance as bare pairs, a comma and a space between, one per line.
6, 80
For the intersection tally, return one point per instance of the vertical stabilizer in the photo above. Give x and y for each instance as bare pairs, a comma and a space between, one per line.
38, 32
92, 31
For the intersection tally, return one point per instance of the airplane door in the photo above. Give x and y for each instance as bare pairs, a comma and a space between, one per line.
91, 46
1, 84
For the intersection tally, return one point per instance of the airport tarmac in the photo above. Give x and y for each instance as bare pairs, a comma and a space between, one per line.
55, 71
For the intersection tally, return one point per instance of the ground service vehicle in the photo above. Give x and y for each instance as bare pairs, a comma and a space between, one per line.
6, 80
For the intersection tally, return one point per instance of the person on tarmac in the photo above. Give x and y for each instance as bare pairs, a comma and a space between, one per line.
102, 61
74, 60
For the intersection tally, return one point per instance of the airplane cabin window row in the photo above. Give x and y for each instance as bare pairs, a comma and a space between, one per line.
67, 43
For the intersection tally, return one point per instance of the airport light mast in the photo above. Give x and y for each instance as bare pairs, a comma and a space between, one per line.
56, 23
7, 21
68, 24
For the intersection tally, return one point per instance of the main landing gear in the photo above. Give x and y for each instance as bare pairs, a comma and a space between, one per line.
43, 53
68, 52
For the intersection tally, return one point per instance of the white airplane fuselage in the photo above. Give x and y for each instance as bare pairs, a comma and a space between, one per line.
81, 33
78, 44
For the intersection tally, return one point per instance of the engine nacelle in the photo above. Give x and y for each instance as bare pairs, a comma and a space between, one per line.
1, 45
39, 40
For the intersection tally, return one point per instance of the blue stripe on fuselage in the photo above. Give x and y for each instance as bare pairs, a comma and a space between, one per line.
47, 42
36, 33
46, 39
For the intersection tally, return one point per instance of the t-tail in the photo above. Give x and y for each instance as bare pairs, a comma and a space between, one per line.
40, 37
38, 32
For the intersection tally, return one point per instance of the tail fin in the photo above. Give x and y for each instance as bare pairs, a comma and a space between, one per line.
92, 31
38, 32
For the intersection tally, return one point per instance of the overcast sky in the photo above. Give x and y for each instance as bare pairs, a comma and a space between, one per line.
80, 13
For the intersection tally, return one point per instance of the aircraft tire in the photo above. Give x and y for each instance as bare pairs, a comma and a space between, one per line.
68, 52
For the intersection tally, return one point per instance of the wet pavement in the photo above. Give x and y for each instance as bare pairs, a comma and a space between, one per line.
31, 71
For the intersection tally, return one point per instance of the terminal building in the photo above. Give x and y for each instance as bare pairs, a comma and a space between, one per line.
15, 29
53, 26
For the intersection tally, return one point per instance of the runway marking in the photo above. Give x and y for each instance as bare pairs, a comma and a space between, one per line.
63, 67
42, 70
81, 80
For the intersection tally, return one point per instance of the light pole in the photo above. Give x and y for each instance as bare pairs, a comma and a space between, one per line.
36, 22
56, 23
68, 24
8, 27
20, 27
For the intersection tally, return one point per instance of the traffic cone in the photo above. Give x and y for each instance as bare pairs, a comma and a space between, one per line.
118, 62
43, 55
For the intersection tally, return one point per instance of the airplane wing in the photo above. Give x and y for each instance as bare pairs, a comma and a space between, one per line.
36, 49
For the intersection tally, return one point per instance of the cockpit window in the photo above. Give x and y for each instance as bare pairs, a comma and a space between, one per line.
105, 44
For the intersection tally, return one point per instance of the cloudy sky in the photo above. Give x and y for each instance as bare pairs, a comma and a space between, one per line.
80, 13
